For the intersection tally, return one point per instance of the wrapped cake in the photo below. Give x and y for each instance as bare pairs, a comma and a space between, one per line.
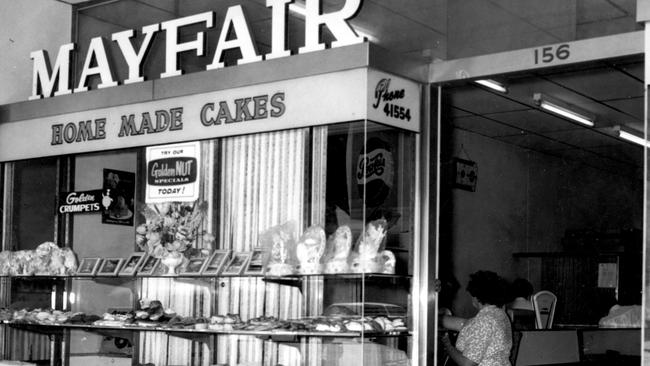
310, 249
339, 245
367, 257
279, 241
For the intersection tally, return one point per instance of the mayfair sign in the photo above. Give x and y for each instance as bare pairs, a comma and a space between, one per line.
50, 81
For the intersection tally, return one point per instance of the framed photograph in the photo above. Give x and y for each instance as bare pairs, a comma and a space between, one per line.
110, 267
148, 266
216, 263
88, 266
118, 190
237, 264
255, 265
132, 264
194, 266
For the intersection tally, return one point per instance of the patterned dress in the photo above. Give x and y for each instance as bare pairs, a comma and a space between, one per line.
486, 339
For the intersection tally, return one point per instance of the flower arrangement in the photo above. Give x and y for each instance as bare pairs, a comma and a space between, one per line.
171, 228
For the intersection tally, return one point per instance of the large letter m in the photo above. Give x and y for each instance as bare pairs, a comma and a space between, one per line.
45, 77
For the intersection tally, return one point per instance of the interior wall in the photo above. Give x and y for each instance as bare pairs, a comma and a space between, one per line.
487, 225
524, 202
568, 195
92, 238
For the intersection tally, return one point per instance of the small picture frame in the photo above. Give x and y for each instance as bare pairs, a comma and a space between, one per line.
89, 266
133, 263
110, 266
216, 262
256, 262
194, 266
149, 266
237, 264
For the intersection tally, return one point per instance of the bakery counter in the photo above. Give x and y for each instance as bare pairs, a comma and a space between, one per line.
577, 345
297, 278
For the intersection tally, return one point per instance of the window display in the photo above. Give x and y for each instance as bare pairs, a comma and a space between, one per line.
253, 272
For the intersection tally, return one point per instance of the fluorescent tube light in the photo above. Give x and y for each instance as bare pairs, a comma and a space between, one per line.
631, 136
494, 85
298, 8
566, 113
563, 109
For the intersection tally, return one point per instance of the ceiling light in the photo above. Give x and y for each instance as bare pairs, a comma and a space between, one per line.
494, 85
298, 8
631, 136
563, 109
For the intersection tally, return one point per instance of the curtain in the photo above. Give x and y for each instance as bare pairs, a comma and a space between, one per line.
263, 180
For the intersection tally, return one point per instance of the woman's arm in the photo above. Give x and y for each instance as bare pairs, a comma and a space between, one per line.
452, 322
455, 354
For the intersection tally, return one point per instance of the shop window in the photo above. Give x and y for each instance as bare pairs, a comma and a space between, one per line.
34, 189
345, 175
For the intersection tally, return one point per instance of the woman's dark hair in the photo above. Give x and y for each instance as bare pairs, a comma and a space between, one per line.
521, 288
488, 288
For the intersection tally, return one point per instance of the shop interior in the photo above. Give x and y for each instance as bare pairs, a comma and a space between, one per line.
544, 198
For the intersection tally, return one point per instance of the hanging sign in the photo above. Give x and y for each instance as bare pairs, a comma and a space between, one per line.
173, 172
80, 202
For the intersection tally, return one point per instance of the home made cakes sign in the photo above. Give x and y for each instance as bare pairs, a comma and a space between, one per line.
54, 81
155, 121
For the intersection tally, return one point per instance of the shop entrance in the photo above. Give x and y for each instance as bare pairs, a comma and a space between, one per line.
533, 193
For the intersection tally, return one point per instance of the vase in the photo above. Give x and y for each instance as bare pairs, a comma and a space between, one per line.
172, 261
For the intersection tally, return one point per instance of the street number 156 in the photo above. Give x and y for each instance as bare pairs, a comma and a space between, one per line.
549, 54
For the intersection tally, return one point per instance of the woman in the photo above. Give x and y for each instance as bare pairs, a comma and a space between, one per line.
485, 339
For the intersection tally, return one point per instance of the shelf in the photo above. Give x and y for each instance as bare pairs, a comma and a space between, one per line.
567, 254
297, 280
289, 278
124, 330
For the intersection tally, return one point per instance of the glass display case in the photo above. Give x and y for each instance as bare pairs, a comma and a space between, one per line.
298, 251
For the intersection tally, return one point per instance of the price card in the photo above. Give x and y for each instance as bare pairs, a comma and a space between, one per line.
607, 275
173, 172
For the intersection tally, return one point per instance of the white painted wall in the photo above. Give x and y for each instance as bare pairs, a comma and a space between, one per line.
26, 26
